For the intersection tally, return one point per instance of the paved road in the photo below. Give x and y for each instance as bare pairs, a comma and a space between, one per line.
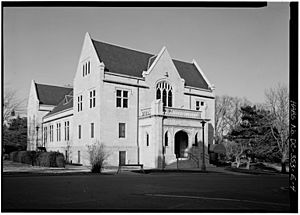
155, 191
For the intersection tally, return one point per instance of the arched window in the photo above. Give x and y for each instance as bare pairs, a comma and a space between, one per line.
164, 92
158, 96
196, 140
166, 139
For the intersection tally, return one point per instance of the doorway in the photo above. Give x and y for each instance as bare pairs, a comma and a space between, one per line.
181, 143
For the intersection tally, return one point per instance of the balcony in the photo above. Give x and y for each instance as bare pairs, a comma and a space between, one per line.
172, 112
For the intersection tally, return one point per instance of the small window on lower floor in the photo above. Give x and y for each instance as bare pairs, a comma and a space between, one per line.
121, 130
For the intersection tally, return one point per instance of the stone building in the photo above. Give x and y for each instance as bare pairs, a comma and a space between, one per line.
145, 108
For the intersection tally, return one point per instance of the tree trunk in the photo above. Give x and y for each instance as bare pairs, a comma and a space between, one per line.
238, 161
248, 163
283, 167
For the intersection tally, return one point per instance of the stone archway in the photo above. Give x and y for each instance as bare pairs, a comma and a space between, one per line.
181, 143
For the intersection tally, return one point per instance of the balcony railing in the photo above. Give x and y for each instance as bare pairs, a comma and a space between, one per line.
182, 113
173, 112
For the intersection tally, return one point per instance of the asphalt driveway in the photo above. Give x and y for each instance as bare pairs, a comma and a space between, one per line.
171, 191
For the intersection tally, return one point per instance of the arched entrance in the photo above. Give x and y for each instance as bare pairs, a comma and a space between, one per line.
181, 143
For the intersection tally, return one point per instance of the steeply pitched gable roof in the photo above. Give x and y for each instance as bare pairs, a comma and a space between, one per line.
190, 74
122, 60
51, 95
64, 104
131, 62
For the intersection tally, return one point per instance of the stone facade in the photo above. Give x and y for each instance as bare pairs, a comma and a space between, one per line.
151, 118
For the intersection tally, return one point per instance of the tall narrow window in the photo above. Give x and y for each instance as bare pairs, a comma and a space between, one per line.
164, 97
147, 139
79, 103
92, 130
56, 131
92, 98
196, 140
79, 131
125, 99
164, 92
119, 98
122, 98
83, 70
170, 98
166, 139
67, 130
121, 130
89, 67
78, 156
45, 135
158, 96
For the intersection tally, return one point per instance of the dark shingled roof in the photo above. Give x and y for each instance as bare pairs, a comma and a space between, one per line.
190, 74
64, 104
51, 95
131, 62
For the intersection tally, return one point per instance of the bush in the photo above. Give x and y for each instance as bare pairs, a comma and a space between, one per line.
60, 160
47, 159
25, 157
14, 156
97, 156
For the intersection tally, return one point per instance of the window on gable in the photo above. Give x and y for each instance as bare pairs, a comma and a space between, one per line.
164, 91
86, 68
122, 98
121, 130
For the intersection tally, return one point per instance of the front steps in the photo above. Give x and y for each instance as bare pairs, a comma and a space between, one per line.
186, 163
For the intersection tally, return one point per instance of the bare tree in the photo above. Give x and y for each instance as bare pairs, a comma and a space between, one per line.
11, 104
98, 155
277, 101
227, 114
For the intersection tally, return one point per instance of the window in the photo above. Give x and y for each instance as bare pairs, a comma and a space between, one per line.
86, 68
164, 91
45, 135
79, 131
51, 133
79, 103
122, 98
78, 156
92, 98
121, 130
166, 139
92, 130
67, 131
147, 139
197, 105
58, 132
196, 140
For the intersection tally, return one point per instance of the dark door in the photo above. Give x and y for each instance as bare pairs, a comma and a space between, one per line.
122, 157
181, 143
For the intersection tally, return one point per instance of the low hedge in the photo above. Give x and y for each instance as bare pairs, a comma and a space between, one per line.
47, 159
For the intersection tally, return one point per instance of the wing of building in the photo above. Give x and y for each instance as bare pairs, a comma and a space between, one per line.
145, 108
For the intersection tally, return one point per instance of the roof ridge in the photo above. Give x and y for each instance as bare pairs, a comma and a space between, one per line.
124, 47
54, 85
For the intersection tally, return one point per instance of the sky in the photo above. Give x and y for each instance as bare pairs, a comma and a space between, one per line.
241, 51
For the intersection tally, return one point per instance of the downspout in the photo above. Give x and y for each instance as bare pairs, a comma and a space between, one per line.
137, 123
